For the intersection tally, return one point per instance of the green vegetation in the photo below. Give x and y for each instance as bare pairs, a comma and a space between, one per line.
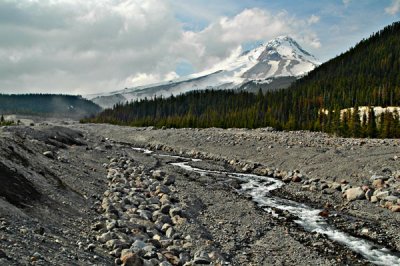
194, 109
366, 75
4, 122
47, 105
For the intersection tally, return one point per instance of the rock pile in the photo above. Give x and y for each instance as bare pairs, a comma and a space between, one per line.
141, 218
382, 190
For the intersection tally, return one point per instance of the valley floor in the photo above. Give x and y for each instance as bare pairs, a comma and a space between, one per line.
102, 202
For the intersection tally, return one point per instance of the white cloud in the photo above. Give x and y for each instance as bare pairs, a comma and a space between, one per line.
91, 46
310, 39
394, 8
346, 2
170, 76
220, 38
140, 79
313, 19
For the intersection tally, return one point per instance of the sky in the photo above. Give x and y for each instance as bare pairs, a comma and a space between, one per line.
92, 46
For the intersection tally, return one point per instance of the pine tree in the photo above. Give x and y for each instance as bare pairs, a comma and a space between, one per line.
372, 130
387, 125
344, 124
364, 127
355, 127
396, 124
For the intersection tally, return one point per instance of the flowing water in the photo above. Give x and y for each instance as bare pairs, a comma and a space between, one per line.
258, 187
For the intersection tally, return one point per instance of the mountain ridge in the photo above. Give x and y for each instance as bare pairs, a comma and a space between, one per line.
279, 58
47, 105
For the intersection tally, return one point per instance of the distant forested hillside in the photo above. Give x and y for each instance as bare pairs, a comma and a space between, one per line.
366, 75
194, 109
47, 105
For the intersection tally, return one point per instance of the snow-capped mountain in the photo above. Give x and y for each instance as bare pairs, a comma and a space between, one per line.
281, 59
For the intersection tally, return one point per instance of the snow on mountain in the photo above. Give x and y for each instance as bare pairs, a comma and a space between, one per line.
280, 58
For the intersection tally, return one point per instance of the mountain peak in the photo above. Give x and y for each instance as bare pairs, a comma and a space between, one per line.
285, 38
285, 46
281, 57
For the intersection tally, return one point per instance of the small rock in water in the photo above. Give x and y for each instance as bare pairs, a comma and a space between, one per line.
318, 244
365, 231
324, 213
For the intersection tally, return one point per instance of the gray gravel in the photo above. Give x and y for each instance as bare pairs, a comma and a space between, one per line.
90, 199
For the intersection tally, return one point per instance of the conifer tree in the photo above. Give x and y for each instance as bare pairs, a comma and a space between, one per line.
372, 130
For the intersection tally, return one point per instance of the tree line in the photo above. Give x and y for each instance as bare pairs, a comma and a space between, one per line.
232, 109
47, 105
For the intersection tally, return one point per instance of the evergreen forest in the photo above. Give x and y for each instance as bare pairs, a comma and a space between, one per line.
47, 105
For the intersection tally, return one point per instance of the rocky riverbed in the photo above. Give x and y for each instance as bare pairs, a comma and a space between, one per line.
103, 195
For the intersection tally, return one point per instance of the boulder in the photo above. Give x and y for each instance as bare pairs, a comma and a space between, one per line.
158, 174
165, 208
162, 189
201, 257
174, 260
296, 178
49, 154
369, 194
355, 194
392, 199
116, 243
170, 232
175, 211
104, 237
395, 208
374, 199
335, 186
131, 259
376, 177
378, 183
382, 194
169, 180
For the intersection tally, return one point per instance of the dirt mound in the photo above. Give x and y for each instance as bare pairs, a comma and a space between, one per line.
53, 135
15, 188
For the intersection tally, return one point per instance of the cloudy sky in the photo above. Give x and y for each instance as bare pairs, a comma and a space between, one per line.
90, 46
